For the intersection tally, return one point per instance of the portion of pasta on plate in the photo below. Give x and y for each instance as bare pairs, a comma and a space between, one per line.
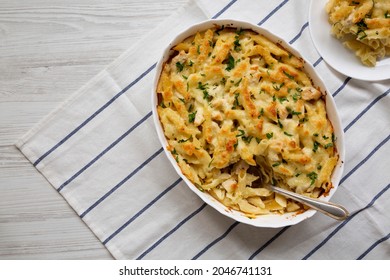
239, 112
363, 26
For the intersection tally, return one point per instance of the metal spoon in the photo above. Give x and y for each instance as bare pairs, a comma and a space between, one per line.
330, 209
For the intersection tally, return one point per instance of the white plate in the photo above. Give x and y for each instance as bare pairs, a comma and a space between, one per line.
261, 220
335, 54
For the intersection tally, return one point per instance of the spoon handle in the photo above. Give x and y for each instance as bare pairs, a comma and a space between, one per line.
333, 210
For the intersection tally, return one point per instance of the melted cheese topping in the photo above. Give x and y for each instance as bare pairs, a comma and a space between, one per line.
239, 113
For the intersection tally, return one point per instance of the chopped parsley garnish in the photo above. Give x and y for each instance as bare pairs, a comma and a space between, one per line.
315, 146
202, 86
328, 145
191, 117
230, 64
269, 135
236, 103
244, 138
174, 152
237, 45
179, 66
313, 177
288, 134
277, 88
247, 139
276, 164
362, 26
282, 99
291, 77
185, 140
261, 113
296, 96
294, 113
238, 83
207, 96
305, 119
387, 14
242, 132
280, 124
199, 187
239, 31
363, 35
190, 63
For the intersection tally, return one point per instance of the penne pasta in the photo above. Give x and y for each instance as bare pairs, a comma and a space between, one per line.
367, 22
239, 112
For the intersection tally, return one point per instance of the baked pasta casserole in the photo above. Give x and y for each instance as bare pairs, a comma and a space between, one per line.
364, 27
239, 113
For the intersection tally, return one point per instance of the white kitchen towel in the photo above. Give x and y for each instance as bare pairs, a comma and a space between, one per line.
100, 151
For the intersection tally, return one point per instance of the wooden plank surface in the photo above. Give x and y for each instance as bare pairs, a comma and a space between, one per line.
49, 49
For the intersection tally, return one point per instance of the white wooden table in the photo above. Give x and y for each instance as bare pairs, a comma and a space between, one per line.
49, 49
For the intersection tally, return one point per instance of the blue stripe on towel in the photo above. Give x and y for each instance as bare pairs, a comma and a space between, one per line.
97, 112
345, 222
135, 171
383, 239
